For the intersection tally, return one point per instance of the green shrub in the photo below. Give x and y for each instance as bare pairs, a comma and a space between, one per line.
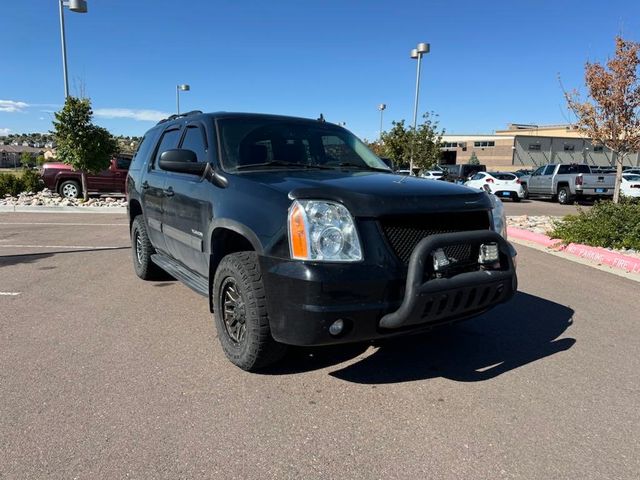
606, 225
31, 181
28, 181
11, 184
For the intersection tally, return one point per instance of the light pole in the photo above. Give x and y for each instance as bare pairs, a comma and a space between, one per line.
381, 107
78, 6
185, 88
417, 53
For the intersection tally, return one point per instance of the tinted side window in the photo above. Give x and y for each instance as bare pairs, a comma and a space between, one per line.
548, 170
123, 163
168, 141
144, 150
194, 140
538, 171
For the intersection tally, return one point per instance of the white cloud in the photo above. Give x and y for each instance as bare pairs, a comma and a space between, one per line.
4, 132
143, 115
12, 106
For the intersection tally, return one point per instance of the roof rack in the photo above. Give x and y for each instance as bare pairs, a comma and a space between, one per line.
179, 115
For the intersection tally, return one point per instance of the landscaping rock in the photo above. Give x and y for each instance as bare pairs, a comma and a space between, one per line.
51, 199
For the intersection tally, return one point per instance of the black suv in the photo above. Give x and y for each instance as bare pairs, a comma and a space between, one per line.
298, 234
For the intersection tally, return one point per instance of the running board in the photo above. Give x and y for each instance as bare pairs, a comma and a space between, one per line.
195, 282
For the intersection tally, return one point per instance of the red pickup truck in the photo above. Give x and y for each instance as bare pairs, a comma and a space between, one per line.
61, 178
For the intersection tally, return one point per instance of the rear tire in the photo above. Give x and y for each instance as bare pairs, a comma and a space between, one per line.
239, 303
141, 250
69, 189
515, 198
564, 196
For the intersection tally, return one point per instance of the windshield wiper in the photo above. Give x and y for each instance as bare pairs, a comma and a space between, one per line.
280, 163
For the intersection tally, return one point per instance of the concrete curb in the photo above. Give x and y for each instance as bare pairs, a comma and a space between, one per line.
59, 209
601, 256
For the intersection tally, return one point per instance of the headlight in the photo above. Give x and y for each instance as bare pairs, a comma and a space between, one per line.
498, 216
322, 231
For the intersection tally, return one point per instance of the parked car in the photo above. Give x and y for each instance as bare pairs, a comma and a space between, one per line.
460, 173
405, 171
60, 177
569, 182
630, 185
297, 234
501, 184
432, 174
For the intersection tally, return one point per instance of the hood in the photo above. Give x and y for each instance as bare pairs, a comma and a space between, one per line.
373, 193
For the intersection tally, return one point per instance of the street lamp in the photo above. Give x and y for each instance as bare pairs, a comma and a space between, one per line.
77, 6
185, 88
417, 53
381, 107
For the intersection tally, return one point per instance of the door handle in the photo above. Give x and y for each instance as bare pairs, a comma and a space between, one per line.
168, 192
145, 185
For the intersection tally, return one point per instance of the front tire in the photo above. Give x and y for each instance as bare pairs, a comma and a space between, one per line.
239, 303
141, 250
69, 189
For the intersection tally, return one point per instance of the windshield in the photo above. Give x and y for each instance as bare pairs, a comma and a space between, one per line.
249, 143
631, 178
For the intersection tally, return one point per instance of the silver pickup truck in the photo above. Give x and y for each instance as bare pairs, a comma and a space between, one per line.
568, 182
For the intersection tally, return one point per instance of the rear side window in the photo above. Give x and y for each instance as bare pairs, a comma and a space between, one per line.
194, 140
168, 141
573, 169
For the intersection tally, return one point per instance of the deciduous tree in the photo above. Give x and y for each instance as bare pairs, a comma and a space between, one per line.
425, 141
610, 114
81, 144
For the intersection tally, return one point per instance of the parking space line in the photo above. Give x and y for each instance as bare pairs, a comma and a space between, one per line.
73, 247
70, 224
9, 294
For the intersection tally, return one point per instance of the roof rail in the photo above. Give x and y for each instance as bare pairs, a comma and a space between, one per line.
179, 115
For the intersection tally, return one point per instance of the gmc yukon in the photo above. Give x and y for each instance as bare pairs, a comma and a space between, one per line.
299, 235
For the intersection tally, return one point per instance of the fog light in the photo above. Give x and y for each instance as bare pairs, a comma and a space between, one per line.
440, 260
489, 253
336, 327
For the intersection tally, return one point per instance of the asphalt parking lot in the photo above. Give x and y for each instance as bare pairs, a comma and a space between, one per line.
103, 375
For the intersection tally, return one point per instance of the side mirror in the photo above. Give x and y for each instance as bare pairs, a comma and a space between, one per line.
181, 161
388, 162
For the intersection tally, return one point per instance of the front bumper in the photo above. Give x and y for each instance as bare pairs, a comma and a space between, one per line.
382, 300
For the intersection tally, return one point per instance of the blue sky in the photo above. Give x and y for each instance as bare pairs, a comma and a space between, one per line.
491, 62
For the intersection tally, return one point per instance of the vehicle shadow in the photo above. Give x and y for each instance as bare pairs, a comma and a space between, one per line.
7, 260
524, 330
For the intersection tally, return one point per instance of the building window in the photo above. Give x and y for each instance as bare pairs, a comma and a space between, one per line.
569, 148
535, 147
484, 144
450, 144
598, 148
